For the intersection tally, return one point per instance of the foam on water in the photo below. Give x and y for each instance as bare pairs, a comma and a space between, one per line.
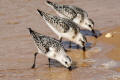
109, 64
103, 66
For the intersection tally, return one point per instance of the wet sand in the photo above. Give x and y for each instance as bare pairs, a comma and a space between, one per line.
17, 46
114, 54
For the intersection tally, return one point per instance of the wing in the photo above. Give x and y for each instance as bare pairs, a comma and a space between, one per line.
62, 26
55, 22
66, 11
42, 47
80, 11
63, 10
73, 25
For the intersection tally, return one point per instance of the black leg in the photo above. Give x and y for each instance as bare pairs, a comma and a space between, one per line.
33, 66
49, 62
84, 55
61, 39
70, 44
95, 36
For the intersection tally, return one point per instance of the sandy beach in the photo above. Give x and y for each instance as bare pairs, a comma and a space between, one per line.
17, 46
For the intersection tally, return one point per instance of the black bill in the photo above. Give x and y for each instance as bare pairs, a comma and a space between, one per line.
93, 31
70, 68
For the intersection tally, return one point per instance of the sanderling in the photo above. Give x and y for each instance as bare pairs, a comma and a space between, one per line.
74, 13
51, 48
64, 28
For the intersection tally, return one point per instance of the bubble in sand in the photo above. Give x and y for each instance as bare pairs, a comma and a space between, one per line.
108, 35
116, 77
109, 64
96, 49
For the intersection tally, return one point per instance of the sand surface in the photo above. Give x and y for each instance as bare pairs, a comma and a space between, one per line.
17, 46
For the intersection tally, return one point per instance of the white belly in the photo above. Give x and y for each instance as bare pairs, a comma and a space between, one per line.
77, 20
68, 35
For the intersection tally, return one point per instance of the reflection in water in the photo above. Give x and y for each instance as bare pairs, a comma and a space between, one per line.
52, 74
89, 33
75, 46
101, 68
59, 75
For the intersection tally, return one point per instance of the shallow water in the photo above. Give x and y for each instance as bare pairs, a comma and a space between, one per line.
17, 47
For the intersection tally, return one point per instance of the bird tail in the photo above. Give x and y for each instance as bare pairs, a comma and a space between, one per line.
51, 3
31, 31
41, 12
44, 15
34, 34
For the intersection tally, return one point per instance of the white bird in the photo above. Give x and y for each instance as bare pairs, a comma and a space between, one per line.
64, 28
51, 48
75, 14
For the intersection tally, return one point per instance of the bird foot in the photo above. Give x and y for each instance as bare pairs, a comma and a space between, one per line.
33, 66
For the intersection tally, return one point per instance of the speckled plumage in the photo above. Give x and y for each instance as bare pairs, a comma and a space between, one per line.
68, 11
51, 48
44, 42
76, 14
62, 25
64, 28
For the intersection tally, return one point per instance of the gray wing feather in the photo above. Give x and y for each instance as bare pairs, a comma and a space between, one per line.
62, 25
56, 21
63, 9
45, 42
80, 11
68, 11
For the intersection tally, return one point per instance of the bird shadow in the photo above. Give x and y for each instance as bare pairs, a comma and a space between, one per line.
87, 46
54, 63
75, 46
89, 33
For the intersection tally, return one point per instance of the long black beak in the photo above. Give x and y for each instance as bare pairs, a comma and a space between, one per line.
70, 68
93, 31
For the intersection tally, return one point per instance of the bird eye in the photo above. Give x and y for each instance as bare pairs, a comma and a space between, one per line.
89, 25
65, 62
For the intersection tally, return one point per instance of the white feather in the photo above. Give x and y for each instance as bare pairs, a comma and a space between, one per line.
56, 31
77, 19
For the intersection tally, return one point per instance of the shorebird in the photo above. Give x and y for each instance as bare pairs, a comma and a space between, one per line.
75, 14
64, 28
51, 48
